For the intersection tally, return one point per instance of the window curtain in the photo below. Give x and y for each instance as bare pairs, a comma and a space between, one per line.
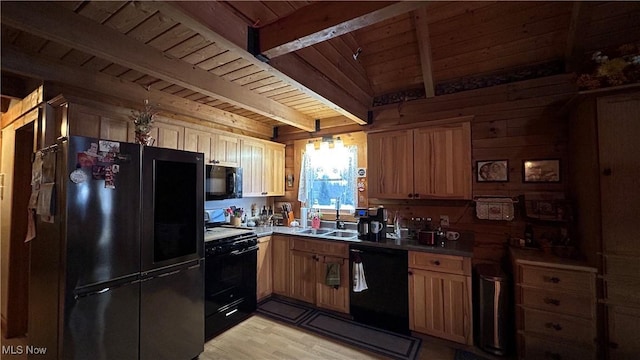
304, 185
313, 160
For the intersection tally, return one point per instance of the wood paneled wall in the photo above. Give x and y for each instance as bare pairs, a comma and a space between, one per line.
518, 121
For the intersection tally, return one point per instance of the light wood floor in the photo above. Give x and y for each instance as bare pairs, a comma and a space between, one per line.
259, 337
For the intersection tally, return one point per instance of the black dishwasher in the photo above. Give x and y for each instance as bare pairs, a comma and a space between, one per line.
385, 304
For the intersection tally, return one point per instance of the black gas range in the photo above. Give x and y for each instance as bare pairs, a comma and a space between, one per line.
230, 277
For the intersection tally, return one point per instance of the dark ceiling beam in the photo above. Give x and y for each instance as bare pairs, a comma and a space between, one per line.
56, 23
325, 20
13, 87
578, 26
424, 45
219, 24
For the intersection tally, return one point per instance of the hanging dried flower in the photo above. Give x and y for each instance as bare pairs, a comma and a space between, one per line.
143, 121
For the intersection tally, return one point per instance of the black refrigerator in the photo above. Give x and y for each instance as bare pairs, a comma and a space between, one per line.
118, 268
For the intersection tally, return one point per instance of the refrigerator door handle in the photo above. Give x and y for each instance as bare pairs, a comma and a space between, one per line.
169, 273
104, 290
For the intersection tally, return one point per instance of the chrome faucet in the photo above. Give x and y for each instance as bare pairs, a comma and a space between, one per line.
339, 223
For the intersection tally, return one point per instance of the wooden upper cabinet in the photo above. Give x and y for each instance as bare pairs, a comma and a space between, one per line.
225, 150
198, 141
262, 168
442, 161
274, 170
390, 163
218, 148
168, 135
85, 121
252, 162
423, 163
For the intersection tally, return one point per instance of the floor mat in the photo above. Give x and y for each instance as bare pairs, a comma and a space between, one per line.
387, 343
283, 310
465, 355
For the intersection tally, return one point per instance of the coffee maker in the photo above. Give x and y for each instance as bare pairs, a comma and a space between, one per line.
372, 223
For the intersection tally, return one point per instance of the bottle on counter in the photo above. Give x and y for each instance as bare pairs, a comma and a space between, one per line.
528, 235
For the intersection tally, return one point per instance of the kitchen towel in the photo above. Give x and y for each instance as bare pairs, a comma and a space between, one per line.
359, 281
332, 277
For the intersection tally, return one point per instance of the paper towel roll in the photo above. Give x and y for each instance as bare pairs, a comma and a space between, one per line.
303, 217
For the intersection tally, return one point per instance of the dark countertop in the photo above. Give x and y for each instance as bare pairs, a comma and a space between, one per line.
460, 247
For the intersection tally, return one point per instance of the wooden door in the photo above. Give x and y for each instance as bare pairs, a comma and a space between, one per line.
252, 162
274, 170
438, 305
198, 141
442, 161
280, 264
390, 164
226, 150
332, 297
302, 276
619, 131
264, 275
624, 332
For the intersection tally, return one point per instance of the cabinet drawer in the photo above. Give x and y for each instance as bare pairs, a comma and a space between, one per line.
441, 263
543, 349
571, 328
562, 303
321, 247
555, 279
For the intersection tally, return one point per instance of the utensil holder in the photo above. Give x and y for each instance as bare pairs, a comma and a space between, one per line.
235, 221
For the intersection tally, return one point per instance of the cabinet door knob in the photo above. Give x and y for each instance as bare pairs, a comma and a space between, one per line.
410, 195
410, 272
436, 262
551, 325
553, 279
416, 196
606, 172
551, 301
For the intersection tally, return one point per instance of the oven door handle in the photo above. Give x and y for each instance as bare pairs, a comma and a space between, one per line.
240, 252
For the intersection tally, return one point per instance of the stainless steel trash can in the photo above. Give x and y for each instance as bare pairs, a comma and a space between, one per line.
493, 309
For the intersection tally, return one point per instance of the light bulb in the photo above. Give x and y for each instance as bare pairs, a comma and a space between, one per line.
338, 144
324, 146
310, 146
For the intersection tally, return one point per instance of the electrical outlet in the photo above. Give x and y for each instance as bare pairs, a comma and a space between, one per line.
444, 220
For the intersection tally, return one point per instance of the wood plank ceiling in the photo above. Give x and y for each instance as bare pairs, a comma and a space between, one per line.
327, 60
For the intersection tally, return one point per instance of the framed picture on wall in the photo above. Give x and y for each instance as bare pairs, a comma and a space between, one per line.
541, 171
492, 171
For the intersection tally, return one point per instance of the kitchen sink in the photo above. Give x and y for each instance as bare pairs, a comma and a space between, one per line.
315, 231
343, 234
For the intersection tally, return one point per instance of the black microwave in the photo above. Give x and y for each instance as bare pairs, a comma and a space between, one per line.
222, 182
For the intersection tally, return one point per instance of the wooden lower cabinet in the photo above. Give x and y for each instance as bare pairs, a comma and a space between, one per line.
264, 274
308, 269
303, 276
331, 297
438, 304
555, 307
280, 262
440, 296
